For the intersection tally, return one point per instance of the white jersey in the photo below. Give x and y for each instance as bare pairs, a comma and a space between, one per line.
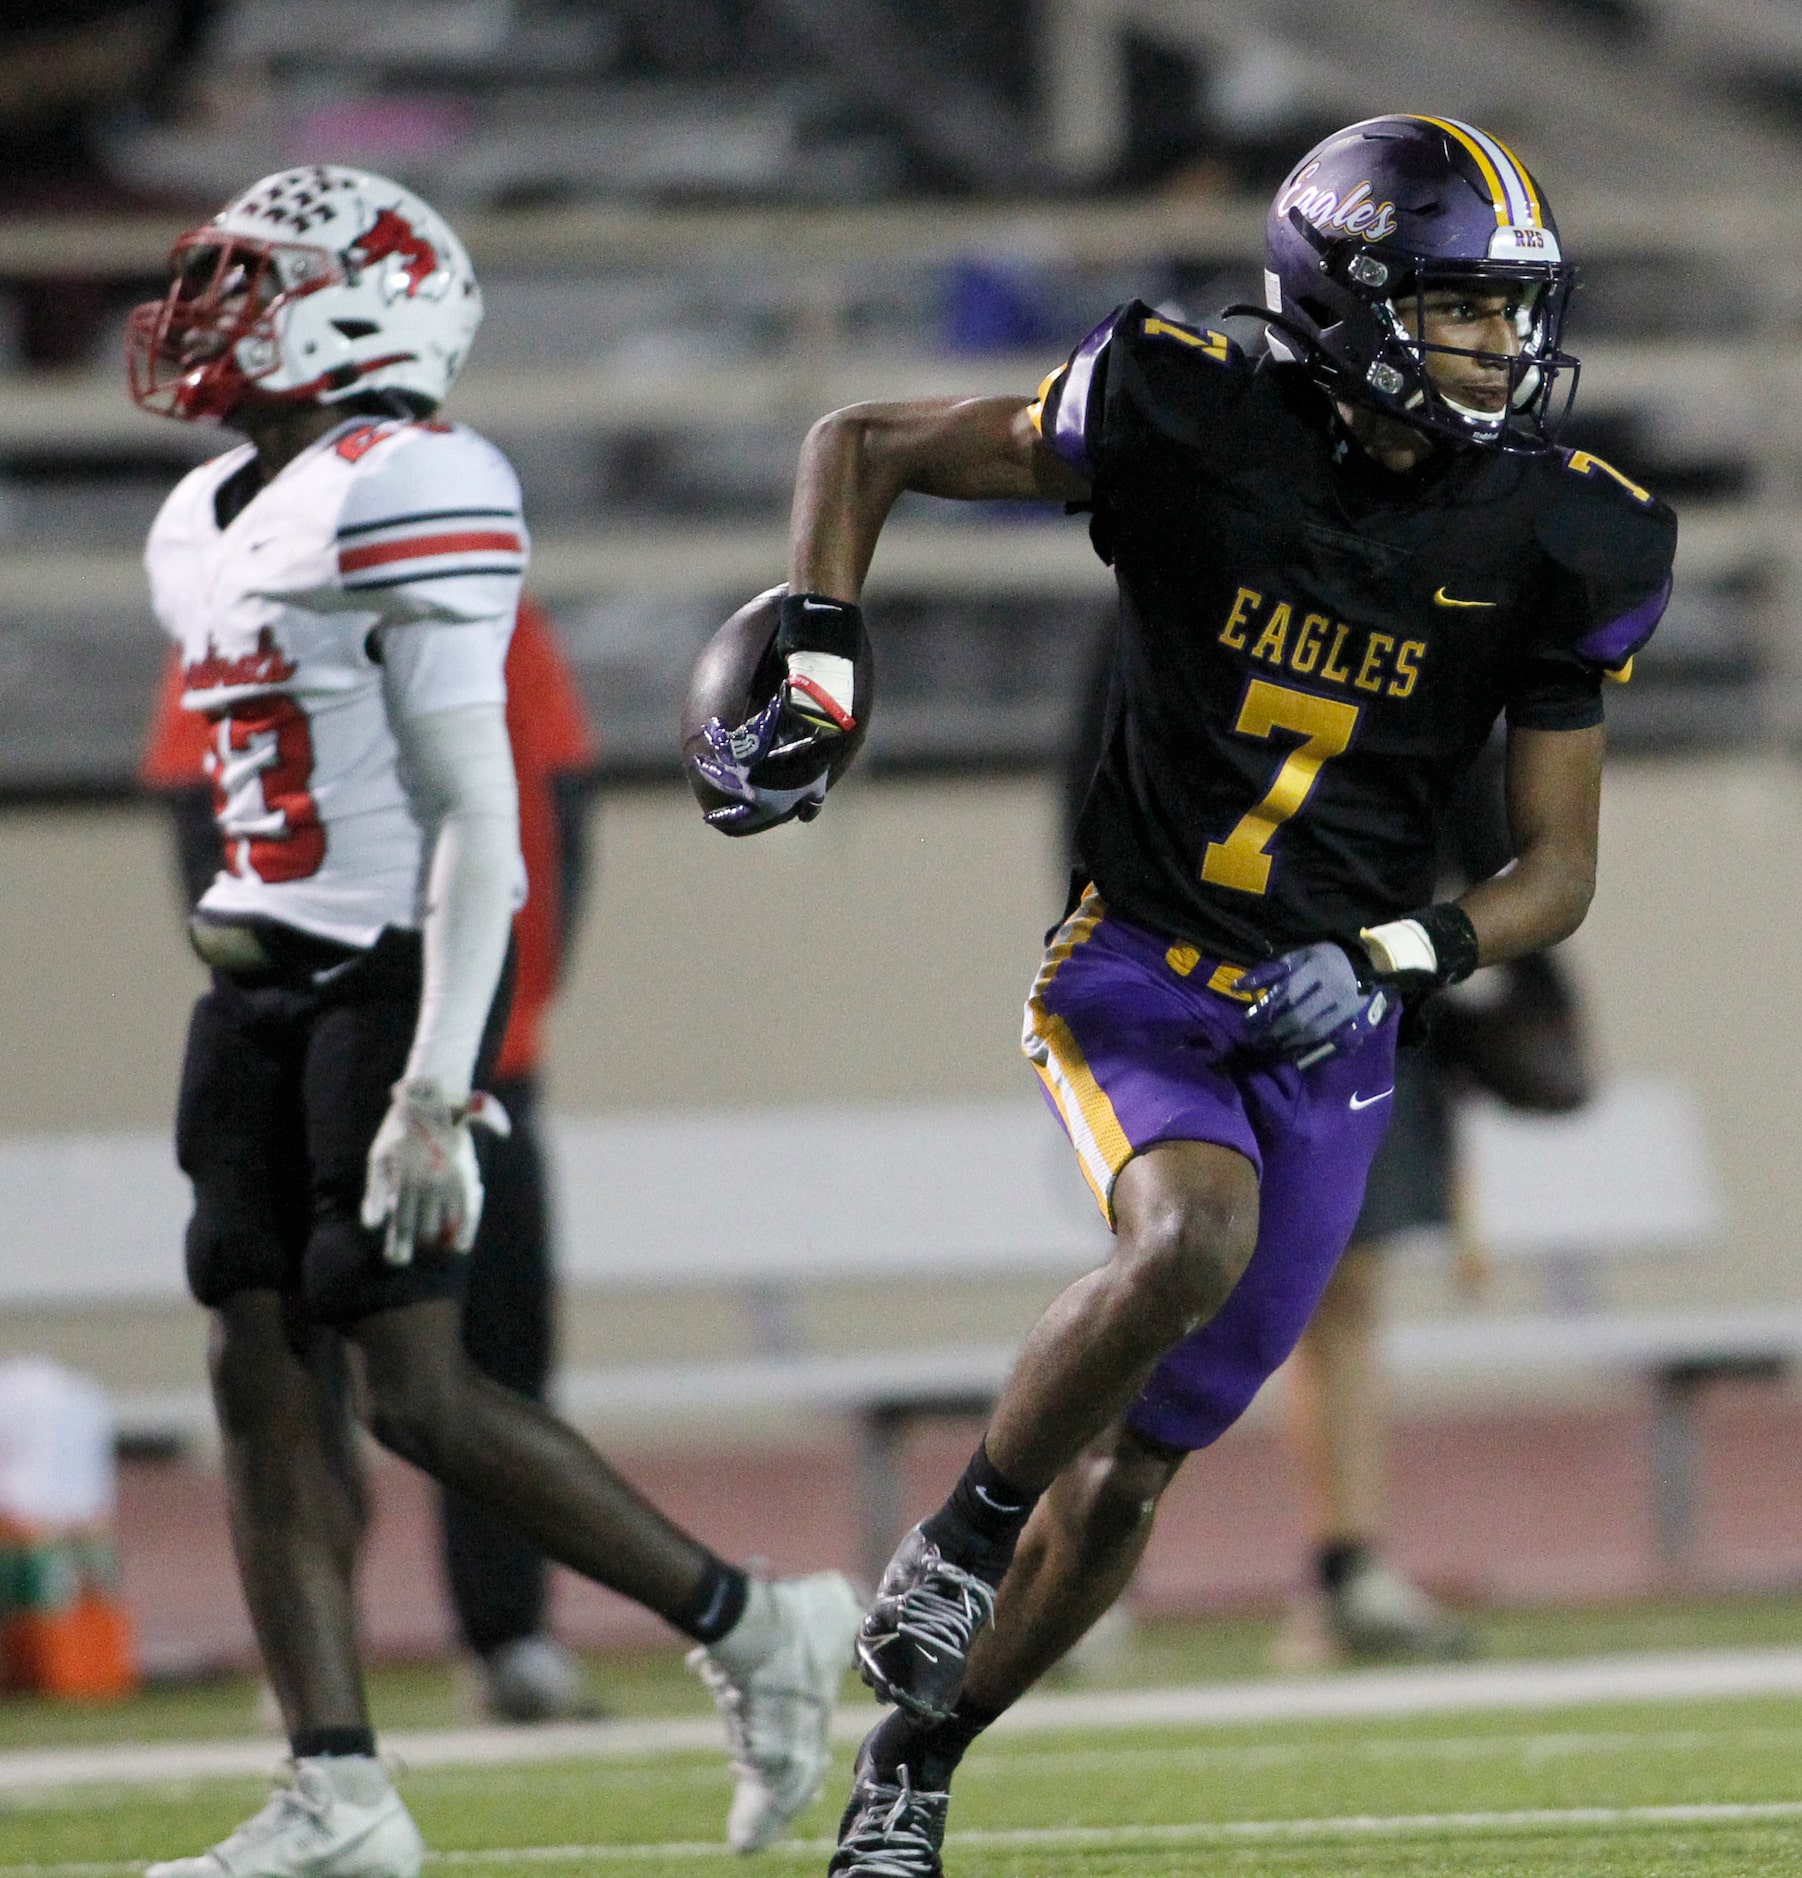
386, 559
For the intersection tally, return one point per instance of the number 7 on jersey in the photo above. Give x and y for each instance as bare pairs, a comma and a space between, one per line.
1242, 860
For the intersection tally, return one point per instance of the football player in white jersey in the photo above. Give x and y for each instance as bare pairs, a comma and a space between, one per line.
341, 588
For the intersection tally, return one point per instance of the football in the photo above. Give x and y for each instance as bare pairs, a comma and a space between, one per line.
739, 671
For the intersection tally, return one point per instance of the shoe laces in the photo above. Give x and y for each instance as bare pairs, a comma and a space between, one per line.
298, 1799
942, 1611
897, 1832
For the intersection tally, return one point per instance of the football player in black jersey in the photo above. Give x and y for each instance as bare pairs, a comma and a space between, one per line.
1338, 564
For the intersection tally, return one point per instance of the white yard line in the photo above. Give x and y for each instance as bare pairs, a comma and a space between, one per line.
1359, 1694
1103, 1838
1428, 1689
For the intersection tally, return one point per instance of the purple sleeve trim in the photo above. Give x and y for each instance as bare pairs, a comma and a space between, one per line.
1619, 639
1070, 433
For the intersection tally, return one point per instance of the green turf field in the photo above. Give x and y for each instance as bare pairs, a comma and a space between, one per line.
1636, 1792
1630, 1791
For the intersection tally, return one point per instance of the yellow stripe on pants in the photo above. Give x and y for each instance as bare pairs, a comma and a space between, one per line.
1102, 1148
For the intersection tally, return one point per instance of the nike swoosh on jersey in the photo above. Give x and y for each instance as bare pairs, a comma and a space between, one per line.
1365, 1102
1442, 598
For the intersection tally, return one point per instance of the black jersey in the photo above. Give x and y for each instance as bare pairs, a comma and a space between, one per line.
1313, 648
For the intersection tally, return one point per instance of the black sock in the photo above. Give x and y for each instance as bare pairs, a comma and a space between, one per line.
718, 1603
307, 1744
1335, 1562
980, 1524
930, 1751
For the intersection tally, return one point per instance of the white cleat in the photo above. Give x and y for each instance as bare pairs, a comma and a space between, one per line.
337, 1817
774, 1678
537, 1679
1378, 1613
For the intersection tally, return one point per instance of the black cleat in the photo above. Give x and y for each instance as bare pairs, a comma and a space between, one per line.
916, 1637
890, 1829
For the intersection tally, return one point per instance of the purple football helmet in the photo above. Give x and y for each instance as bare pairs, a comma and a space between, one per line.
1383, 213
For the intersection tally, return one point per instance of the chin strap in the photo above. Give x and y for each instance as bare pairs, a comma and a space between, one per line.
1294, 334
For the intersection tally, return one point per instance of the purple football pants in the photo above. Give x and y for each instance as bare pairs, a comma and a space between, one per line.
1139, 1041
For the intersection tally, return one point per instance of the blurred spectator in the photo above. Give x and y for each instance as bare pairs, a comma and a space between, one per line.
65, 67
498, 1582
996, 306
1168, 141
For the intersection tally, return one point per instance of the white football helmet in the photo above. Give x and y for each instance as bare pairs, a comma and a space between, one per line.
313, 286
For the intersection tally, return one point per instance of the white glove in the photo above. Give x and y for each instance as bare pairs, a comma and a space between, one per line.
423, 1179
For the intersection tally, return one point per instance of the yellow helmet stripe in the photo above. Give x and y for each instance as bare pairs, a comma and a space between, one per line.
1524, 176
1509, 188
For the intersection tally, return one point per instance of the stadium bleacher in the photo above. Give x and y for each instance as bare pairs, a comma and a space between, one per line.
661, 331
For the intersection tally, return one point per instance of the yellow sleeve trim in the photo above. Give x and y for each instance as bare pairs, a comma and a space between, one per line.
1036, 410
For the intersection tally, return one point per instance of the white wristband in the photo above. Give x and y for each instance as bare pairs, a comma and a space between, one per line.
1400, 945
834, 675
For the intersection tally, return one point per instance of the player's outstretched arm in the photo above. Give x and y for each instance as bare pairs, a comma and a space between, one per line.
1554, 793
855, 462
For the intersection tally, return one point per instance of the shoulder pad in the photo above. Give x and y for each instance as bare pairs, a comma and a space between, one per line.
401, 466
357, 442
1594, 517
426, 501
1617, 541
206, 477
1164, 370
1601, 479
1172, 383
1150, 326
192, 496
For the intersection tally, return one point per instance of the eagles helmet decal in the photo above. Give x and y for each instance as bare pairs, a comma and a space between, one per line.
1387, 210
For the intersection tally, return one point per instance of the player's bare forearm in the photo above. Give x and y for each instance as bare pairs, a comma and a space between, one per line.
1554, 811
855, 462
